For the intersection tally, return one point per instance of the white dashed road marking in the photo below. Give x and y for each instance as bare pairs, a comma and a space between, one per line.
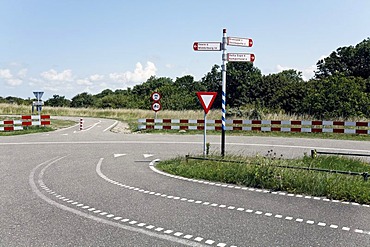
222, 206
109, 218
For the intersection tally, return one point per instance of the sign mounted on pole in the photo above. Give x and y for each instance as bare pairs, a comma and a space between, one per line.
38, 95
156, 96
156, 106
206, 99
240, 57
235, 41
207, 46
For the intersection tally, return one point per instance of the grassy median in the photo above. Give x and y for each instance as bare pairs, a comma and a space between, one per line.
264, 172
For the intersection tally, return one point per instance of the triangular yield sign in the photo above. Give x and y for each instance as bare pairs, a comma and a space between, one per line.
206, 99
38, 95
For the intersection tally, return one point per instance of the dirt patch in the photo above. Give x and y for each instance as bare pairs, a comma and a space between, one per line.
121, 127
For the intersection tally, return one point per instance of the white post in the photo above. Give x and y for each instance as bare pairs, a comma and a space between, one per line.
204, 136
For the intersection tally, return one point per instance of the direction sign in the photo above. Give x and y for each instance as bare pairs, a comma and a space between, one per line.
207, 46
156, 106
235, 41
206, 99
240, 57
156, 96
38, 95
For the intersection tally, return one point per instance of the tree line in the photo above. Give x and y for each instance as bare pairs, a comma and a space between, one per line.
340, 88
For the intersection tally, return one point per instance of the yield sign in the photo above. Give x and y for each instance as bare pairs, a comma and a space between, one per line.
38, 95
206, 99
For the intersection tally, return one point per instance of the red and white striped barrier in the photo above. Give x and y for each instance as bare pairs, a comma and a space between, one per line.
34, 120
259, 125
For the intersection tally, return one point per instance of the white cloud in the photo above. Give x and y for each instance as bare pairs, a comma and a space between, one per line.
5, 74
307, 73
169, 66
53, 75
10, 79
96, 77
85, 81
22, 73
140, 74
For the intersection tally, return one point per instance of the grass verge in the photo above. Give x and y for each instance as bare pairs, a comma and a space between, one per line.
264, 173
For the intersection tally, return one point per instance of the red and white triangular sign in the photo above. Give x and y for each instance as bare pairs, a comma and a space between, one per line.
206, 99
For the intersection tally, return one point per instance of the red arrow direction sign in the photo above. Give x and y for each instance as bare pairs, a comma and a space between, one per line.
207, 46
206, 99
240, 57
235, 41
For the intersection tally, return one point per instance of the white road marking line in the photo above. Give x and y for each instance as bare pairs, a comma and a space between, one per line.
91, 217
178, 234
334, 226
210, 242
198, 239
253, 189
168, 231
222, 205
114, 124
346, 228
188, 236
311, 222
221, 245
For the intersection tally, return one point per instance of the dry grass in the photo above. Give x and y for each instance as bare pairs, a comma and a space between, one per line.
132, 115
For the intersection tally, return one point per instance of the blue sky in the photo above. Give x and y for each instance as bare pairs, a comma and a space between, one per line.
72, 46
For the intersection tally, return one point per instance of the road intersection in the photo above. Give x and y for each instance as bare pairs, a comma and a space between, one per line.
98, 188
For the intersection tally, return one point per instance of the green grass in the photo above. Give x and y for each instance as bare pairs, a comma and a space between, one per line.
262, 172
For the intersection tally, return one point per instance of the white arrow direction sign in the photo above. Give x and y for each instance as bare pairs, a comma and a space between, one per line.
240, 57
235, 41
207, 46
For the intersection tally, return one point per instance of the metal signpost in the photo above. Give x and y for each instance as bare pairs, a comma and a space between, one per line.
39, 103
206, 99
231, 57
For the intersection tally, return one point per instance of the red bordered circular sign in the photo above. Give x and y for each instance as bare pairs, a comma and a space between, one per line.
156, 96
156, 106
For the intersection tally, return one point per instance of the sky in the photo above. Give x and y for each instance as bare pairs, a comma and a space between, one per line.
68, 47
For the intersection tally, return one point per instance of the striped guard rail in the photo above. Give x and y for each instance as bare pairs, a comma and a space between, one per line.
34, 120
314, 126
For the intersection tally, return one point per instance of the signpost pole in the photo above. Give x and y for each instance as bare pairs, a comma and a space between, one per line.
223, 71
205, 134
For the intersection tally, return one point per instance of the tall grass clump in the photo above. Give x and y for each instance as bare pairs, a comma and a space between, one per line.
265, 173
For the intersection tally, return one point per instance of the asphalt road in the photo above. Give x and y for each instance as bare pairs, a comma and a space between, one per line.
98, 188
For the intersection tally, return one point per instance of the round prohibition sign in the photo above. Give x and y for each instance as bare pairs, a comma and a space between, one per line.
156, 106
156, 96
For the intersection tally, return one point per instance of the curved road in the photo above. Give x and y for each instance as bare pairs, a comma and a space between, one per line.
98, 188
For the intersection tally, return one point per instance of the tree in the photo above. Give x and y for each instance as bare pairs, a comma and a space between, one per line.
282, 91
241, 81
337, 96
348, 61
58, 101
82, 100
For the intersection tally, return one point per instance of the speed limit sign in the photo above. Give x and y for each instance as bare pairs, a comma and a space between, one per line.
156, 96
156, 106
